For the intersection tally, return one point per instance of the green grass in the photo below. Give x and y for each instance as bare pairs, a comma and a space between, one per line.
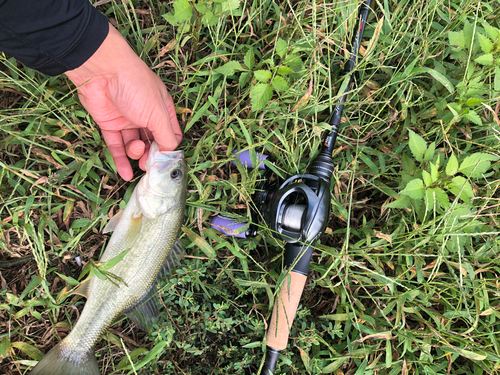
399, 284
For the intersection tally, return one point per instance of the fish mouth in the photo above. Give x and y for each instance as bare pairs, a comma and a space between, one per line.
167, 156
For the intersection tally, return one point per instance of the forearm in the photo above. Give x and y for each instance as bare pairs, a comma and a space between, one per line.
51, 36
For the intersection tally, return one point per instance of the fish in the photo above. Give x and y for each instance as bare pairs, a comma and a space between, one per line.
148, 230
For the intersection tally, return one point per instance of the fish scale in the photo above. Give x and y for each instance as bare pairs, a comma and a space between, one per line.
148, 230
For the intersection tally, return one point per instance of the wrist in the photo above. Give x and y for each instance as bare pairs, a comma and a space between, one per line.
107, 60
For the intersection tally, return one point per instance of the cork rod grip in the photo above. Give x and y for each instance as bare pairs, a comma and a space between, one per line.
284, 311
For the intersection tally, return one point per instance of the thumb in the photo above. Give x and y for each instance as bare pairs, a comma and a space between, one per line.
168, 134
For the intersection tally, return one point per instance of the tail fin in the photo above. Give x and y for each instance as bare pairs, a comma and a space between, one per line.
59, 361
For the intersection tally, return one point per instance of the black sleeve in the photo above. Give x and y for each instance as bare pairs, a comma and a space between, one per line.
51, 36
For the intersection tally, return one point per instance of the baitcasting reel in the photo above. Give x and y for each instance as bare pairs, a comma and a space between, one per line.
296, 210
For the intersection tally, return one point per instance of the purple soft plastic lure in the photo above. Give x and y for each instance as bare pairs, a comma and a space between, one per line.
245, 159
228, 226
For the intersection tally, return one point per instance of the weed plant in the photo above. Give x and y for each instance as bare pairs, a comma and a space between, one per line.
405, 279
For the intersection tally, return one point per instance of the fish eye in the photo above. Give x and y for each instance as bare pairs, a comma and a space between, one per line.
176, 174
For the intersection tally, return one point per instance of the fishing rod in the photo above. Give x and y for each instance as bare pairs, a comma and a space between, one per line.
297, 211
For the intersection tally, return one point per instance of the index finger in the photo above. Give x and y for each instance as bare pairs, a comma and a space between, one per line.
114, 141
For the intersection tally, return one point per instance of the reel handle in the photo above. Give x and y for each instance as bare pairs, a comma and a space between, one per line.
297, 257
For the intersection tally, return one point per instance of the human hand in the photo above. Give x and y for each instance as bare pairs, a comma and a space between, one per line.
128, 101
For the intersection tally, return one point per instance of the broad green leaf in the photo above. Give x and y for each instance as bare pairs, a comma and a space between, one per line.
28, 349
471, 102
458, 184
453, 107
402, 202
156, 351
452, 166
473, 226
32, 285
249, 59
485, 43
124, 364
279, 83
418, 146
474, 117
409, 69
493, 32
437, 76
496, 84
261, 95
68, 279
293, 61
229, 6
429, 154
408, 164
201, 243
361, 369
284, 70
201, 7
251, 345
183, 11
368, 161
430, 199
334, 365
466, 353
244, 77
229, 68
415, 189
305, 358
109, 158
263, 75
209, 18
427, 178
113, 261
81, 223
441, 197
468, 34
5, 347
456, 38
486, 59
281, 47
476, 164
388, 354
434, 173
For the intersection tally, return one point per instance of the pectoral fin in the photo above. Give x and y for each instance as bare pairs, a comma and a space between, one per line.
83, 289
113, 222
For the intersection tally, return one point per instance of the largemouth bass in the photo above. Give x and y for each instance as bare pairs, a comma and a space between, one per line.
148, 230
